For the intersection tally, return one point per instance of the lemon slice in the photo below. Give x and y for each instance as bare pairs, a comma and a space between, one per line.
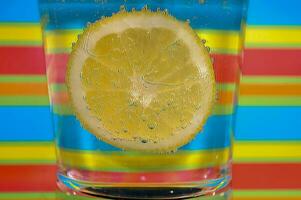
141, 80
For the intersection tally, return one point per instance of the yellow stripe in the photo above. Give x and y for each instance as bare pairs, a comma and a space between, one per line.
126, 161
27, 151
256, 35
61, 39
216, 40
220, 40
243, 151
20, 33
267, 151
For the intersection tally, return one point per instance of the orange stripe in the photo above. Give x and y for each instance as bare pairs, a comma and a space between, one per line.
223, 97
271, 89
23, 89
60, 98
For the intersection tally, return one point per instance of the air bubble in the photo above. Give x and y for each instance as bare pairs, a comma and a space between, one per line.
152, 126
88, 24
165, 11
144, 8
187, 21
122, 8
203, 41
133, 9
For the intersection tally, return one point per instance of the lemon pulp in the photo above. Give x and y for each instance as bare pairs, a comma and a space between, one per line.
141, 81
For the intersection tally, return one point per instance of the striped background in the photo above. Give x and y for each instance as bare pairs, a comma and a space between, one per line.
267, 152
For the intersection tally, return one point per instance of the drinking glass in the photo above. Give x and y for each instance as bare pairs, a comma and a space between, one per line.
89, 166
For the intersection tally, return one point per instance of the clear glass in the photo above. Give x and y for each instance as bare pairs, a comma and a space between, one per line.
90, 167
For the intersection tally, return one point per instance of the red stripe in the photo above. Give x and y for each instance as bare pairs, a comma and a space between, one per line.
245, 176
272, 62
148, 177
27, 178
226, 67
21, 60
267, 176
56, 67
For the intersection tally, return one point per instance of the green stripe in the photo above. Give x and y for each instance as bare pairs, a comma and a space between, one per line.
27, 195
24, 100
62, 109
28, 161
236, 193
270, 79
58, 50
20, 43
58, 87
252, 100
270, 142
218, 197
266, 160
273, 45
221, 32
222, 110
64, 31
267, 193
64, 196
22, 78
265, 27
226, 86
27, 143
26, 24
224, 51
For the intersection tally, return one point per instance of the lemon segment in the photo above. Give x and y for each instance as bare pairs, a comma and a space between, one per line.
141, 81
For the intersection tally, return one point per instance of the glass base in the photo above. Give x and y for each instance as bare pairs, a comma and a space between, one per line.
208, 188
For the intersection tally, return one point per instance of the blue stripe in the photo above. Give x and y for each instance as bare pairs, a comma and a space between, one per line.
70, 134
275, 12
268, 123
214, 14
30, 123
19, 11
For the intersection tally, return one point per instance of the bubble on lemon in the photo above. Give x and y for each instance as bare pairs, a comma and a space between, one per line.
141, 81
